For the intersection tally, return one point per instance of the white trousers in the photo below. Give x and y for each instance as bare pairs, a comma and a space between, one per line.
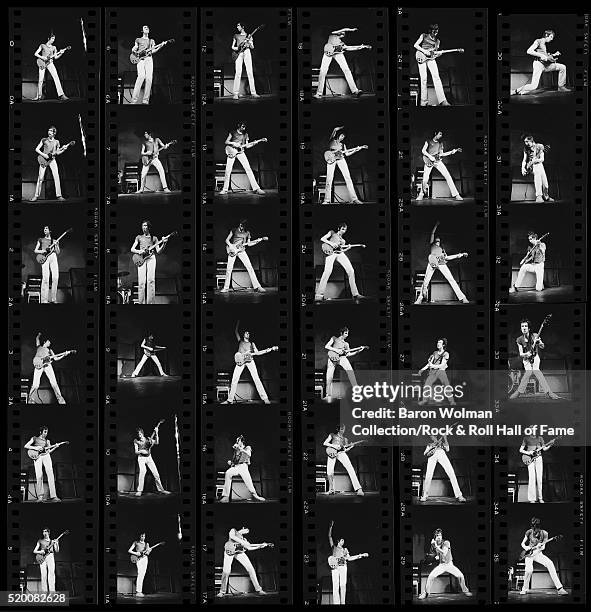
331, 367
535, 472
48, 371
443, 568
238, 470
339, 584
244, 58
346, 462
439, 165
344, 168
252, 368
159, 167
537, 269
146, 281
243, 559
47, 569
540, 180
49, 272
538, 69
434, 70
328, 266
245, 259
52, 165
341, 60
547, 563
142, 566
145, 70
143, 360
241, 157
440, 456
533, 369
147, 463
44, 461
448, 276
54, 75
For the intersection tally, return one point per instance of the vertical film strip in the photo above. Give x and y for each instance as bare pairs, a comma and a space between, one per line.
52, 409
246, 404
344, 217
443, 257
541, 297
150, 461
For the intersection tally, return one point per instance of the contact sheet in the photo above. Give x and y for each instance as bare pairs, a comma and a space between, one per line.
297, 306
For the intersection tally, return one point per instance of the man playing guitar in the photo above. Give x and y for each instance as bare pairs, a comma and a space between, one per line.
533, 544
47, 151
44, 356
49, 268
242, 454
242, 44
534, 155
531, 449
335, 49
46, 55
150, 348
433, 152
336, 156
236, 143
338, 354
237, 241
334, 247
529, 344
437, 260
146, 272
437, 365
235, 548
140, 549
41, 445
543, 61
144, 48
532, 262
151, 149
436, 452
48, 548
247, 350
142, 448
340, 444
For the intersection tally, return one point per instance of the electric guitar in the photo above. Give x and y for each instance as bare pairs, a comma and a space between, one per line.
333, 452
333, 562
40, 557
246, 43
135, 558
144, 452
533, 159
242, 358
35, 454
549, 58
537, 548
139, 259
534, 357
331, 157
43, 362
234, 548
531, 251
44, 162
433, 446
328, 249
233, 250
42, 257
441, 260
43, 63
330, 50
137, 56
148, 352
335, 354
527, 459
235, 149
150, 157
430, 163
427, 56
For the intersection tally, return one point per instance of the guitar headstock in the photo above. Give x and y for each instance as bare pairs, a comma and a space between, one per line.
547, 319
264, 140
72, 352
460, 50
274, 348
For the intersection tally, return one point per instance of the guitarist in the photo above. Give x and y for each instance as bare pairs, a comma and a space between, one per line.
543, 61
142, 447
529, 446
335, 49
433, 152
436, 451
146, 273
48, 547
339, 442
246, 345
334, 240
242, 44
338, 352
437, 365
39, 443
336, 145
141, 550
50, 272
149, 347
146, 46
535, 540
236, 242
49, 148
534, 155
429, 43
238, 139
151, 149
241, 456
47, 52
437, 260
528, 345
532, 262
43, 351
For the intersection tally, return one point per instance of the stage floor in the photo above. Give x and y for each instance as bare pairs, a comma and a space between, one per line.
346, 497
434, 500
150, 497
538, 596
154, 197
543, 97
249, 598
143, 386
244, 99
552, 294
242, 296
149, 598
246, 197
72, 200
445, 598
442, 202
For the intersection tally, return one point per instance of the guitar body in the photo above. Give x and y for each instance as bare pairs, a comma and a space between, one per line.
136, 58
45, 162
242, 358
140, 260
40, 558
44, 63
232, 252
423, 57
42, 257
429, 163
333, 562
233, 548
330, 50
332, 452
331, 157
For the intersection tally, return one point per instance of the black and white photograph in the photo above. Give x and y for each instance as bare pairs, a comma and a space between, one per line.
149, 56
55, 242
544, 52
